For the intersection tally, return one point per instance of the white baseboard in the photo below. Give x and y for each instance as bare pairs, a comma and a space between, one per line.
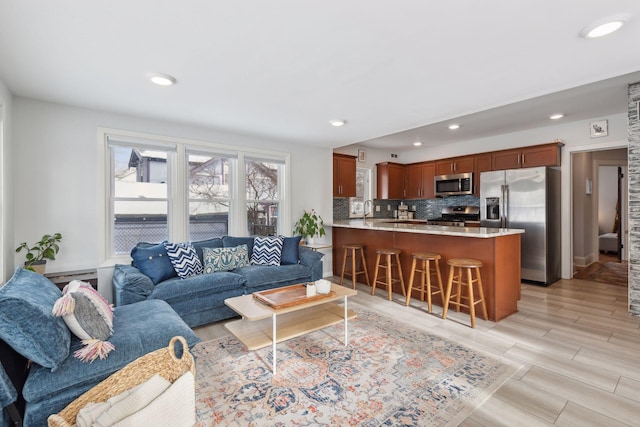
585, 261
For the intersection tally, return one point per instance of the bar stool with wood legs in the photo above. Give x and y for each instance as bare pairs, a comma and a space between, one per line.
470, 265
429, 266
350, 251
388, 265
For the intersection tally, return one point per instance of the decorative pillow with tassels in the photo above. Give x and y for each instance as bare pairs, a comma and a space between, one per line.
89, 316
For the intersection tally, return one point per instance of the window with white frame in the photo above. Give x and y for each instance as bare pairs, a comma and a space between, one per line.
3, 237
159, 188
139, 194
263, 178
363, 192
209, 195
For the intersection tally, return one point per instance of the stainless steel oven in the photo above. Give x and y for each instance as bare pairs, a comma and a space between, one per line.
453, 185
458, 216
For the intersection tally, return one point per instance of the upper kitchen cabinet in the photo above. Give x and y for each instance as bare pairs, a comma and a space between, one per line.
527, 157
420, 180
454, 165
344, 175
390, 180
481, 163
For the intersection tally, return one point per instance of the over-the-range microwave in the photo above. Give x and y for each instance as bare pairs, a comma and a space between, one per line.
453, 185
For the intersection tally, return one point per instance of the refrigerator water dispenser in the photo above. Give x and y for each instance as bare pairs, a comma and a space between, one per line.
493, 207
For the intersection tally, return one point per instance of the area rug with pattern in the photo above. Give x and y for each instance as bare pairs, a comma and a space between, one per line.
390, 374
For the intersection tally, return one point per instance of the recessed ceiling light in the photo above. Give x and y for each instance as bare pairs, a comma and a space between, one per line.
604, 26
161, 79
337, 122
417, 143
556, 116
454, 126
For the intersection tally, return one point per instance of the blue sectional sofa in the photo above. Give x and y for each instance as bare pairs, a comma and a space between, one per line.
200, 299
54, 378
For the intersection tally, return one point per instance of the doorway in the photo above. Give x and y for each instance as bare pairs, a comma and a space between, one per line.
600, 216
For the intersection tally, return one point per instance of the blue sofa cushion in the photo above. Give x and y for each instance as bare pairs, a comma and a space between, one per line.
200, 286
153, 261
211, 243
8, 393
138, 329
27, 323
230, 242
290, 250
260, 275
225, 259
135, 280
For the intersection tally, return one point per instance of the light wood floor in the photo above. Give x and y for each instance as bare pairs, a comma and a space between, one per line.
578, 348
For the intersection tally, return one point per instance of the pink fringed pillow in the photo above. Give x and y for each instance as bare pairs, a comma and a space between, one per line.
89, 316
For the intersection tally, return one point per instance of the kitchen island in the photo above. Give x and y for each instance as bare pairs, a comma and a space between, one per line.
497, 248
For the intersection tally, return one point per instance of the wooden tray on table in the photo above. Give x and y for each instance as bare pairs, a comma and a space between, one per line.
288, 296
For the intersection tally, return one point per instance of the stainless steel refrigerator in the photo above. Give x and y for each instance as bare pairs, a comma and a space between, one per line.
528, 199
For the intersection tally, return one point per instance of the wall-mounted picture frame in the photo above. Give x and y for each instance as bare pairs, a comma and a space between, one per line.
362, 156
599, 128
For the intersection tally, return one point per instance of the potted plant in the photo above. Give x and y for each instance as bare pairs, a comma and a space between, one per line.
40, 252
309, 225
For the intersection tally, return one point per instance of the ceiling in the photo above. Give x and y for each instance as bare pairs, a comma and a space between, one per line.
395, 71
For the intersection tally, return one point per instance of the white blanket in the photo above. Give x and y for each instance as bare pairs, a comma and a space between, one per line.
122, 405
155, 402
176, 407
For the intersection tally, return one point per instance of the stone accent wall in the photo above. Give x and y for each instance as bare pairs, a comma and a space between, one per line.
634, 199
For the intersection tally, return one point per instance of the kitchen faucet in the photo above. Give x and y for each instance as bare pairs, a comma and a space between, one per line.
364, 209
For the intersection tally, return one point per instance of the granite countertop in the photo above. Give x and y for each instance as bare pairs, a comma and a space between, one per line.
420, 226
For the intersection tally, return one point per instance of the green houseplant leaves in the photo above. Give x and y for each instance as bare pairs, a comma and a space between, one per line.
310, 224
45, 249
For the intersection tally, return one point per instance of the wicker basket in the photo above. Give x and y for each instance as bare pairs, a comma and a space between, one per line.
162, 362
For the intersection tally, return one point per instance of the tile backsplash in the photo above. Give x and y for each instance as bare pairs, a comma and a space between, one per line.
424, 208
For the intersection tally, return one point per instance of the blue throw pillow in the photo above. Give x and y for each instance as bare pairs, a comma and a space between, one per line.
290, 250
152, 260
184, 259
225, 259
267, 250
211, 243
26, 320
232, 242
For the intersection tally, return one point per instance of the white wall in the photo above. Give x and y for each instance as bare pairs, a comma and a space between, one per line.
584, 253
607, 198
575, 136
6, 187
55, 179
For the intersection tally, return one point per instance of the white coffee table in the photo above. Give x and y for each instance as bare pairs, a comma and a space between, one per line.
262, 325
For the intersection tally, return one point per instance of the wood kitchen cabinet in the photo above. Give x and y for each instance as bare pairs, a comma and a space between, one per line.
344, 175
390, 180
481, 163
527, 157
420, 180
454, 165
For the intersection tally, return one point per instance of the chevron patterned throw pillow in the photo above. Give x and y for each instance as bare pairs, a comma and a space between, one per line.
184, 259
267, 250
